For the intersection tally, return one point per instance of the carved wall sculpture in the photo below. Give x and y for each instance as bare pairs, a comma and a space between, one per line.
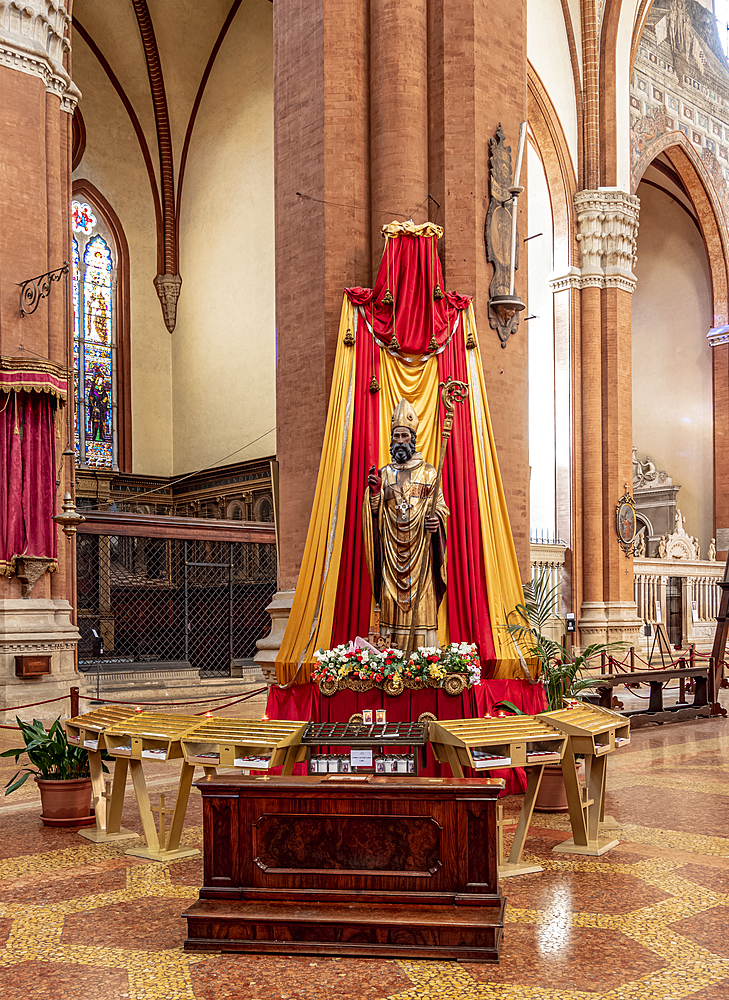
504, 305
655, 502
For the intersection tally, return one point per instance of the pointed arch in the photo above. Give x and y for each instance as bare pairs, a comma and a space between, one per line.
617, 33
555, 155
704, 197
85, 189
702, 192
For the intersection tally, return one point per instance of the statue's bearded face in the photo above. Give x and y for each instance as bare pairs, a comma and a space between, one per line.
402, 445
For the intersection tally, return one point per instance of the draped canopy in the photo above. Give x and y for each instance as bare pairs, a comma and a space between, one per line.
393, 346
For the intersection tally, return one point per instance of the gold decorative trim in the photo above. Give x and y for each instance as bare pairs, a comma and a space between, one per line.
16, 375
393, 229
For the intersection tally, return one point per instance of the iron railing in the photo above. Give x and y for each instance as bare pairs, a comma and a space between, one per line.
156, 591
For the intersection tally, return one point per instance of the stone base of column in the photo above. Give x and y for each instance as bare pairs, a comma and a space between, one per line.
609, 621
41, 627
279, 609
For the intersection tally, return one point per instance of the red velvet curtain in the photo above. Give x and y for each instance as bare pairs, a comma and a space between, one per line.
354, 590
410, 269
27, 482
468, 612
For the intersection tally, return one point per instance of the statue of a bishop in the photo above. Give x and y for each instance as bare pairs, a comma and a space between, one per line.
403, 542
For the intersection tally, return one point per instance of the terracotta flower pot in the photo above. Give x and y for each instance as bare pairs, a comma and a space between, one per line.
552, 797
66, 802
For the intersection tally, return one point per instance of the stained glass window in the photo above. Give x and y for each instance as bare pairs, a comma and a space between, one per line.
94, 338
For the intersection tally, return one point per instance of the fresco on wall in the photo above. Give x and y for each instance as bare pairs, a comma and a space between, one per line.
680, 82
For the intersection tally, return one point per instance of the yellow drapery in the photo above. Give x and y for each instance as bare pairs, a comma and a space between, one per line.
418, 383
503, 581
311, 620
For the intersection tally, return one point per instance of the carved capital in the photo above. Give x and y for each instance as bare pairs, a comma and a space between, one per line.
33, 40
168, 289
607, 223
29, 570
718, 335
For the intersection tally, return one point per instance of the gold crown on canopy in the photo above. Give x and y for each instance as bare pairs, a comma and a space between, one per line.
405, 416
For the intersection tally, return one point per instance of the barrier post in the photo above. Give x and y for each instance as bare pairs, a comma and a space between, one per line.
74, 702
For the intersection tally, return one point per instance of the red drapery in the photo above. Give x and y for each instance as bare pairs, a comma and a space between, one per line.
468, 613
305, 701
27, 482
397, 341
411, 270
354, 590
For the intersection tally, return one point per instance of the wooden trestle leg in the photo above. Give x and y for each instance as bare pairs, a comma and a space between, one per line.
585, 806
108, 809
172, 849
514, 865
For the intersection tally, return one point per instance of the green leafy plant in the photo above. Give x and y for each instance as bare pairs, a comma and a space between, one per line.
562, 669
50, 755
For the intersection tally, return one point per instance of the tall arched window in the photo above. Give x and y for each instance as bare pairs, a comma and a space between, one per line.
94, 338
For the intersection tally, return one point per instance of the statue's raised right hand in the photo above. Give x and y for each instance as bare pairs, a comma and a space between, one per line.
374, 481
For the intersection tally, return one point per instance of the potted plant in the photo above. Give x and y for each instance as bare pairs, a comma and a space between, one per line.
562, 670
61, 771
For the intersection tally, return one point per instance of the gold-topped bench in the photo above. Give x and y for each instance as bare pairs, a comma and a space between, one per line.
502, 742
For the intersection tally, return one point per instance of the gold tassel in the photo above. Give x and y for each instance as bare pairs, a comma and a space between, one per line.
387, 299
470, 343
433, 345
374, 386
348, 338
394, 346
437, 293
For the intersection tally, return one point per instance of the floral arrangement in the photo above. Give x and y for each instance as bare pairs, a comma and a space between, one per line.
428, 664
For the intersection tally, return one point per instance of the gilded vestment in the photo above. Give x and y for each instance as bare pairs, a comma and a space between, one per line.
398, 547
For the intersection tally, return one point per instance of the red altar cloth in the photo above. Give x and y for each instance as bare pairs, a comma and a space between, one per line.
305, 701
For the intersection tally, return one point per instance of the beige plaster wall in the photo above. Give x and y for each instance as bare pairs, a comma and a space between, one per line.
540, 330
114, 164
672, 382
223, 349
548, 52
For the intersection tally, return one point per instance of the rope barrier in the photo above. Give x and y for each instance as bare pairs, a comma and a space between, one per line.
217, 708
199, 701
244, 698
15, 708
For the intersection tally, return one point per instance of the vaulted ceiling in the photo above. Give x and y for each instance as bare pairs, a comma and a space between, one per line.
158, 56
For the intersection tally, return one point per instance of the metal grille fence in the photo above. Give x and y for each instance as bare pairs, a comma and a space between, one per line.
149, 600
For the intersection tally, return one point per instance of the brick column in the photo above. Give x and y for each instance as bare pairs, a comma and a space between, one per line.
399, 114
321, 78
608, 223
719, 340
477, 78
38, 99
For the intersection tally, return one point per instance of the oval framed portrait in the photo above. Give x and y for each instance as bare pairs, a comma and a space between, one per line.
626, 523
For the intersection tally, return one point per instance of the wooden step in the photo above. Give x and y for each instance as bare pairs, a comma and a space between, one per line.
448, 932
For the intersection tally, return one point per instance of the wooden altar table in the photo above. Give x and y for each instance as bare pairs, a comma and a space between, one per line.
349, 865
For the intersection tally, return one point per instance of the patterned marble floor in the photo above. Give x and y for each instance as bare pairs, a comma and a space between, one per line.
647, 921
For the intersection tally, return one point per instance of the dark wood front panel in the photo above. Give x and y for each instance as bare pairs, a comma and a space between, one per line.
405, 867
308, 839
479, 839
221, 832
387, 845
